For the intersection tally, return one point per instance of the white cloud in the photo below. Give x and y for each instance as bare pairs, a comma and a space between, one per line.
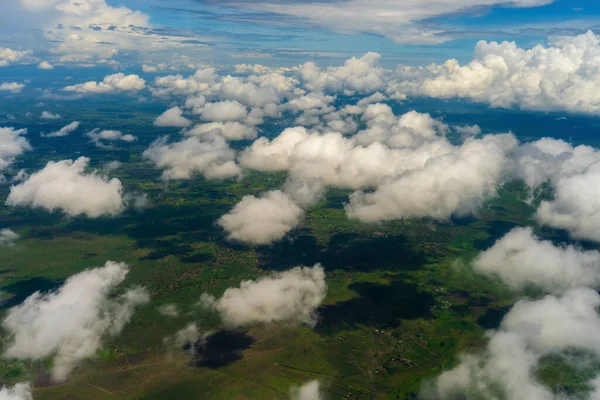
575, 205
21, 391
401, 21
64, 185
8, 56
176, 85
195, 103
173, 117
231, 130
209, 155
563, 76
309, 391
64, 131
69, 323
262, 220
169, 310
289, 296
49, 115
248, 93
574, 174
8, 237
531, 330
356, 75
110, 84
14, 144
224, 111
273, 155
13, 87
521, 259
45, 65
97, 136
456, 183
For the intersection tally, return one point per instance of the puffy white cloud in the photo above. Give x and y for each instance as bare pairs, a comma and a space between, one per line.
7, 237
173, 117
8, 56
292, 296
456, 183
262, 220
45, 65
110, 84
202, 80
195, 103
49, 115
224, 111
97, 136
563, 76
248, 93
521, 259
13, 87
14, 144
231, 130
356, 75
64, 185
209, 155
575, 205
69, 323
531, 330
273, 155
311, 390
573, 173
21, 391
64, 131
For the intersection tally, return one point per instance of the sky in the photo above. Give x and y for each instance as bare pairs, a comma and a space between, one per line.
280, 32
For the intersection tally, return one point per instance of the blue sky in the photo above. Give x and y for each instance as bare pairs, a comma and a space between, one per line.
282, 32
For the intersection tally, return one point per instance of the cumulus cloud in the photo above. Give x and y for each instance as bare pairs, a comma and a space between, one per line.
224, 111
531, 330
64, 131
64, 185
231, 130
173, 117
356, 75
456, 183
14, 144
13, 87
573, 173
262, 220
7, 237
209, 155
21, 391
562, 76
45, 65
290, 296
311, 390
8, 56
249, 93
110, 84
99, 137
575, 205
69, 323
521, 259
49, 115
176, 85
169, 310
